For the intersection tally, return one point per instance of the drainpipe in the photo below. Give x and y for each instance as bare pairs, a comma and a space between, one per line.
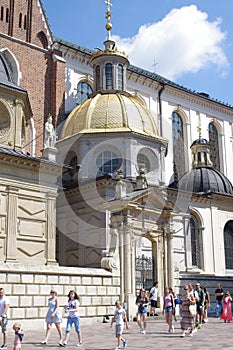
161, 88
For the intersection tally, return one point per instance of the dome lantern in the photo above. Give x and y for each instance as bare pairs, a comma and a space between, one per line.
201, 153
109, 65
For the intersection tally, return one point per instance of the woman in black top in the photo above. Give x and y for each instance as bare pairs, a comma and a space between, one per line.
142, 302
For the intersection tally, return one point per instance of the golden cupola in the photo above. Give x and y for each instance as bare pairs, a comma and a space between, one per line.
110, 108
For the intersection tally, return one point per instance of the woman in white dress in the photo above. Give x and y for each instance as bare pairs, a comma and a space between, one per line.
53, 316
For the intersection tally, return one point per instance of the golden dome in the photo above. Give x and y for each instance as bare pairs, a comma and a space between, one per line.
110, 112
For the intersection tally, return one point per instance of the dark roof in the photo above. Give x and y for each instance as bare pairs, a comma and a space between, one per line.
204, 180
200, 142
134, 69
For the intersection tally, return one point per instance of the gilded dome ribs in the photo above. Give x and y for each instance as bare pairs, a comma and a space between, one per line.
114, 111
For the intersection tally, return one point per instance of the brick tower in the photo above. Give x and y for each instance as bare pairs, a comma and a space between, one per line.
25, 42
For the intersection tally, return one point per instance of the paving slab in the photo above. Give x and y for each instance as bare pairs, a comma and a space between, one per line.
215, 334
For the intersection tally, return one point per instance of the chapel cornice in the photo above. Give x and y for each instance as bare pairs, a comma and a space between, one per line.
26, 162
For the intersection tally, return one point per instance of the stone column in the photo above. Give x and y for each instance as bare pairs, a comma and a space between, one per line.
11, 238
187, 245
51, 229
127, 258
128, 282
133, 259
155, 260
165, 261
121, 254
170, 260
18, 124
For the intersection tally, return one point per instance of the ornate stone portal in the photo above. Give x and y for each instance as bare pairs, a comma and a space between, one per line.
127, 225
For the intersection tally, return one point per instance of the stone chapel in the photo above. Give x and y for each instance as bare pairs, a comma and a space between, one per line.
108, 183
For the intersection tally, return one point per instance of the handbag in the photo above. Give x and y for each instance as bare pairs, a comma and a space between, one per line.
193, 309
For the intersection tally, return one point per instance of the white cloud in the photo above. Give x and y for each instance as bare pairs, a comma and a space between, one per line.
183, 42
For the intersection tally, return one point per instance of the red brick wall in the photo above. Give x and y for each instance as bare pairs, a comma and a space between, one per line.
42, 76
4, 24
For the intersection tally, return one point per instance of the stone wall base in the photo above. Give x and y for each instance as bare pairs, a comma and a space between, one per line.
28, 288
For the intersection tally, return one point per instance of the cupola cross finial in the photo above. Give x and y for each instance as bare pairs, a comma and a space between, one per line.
108, 2
108, 18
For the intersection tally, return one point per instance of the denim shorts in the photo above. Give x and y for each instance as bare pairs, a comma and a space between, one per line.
168, 309
142, 310
70, 322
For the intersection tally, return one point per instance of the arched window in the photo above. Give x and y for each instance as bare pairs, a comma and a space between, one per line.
83, 92
5, 121
120, 71
2, 13
178, 146
7, 15
196, 242
23, 132
214, 147
228, 244
143, 162
43, 39
107, 162
98, 85
12, 64
20, 20
109, 76
25, 22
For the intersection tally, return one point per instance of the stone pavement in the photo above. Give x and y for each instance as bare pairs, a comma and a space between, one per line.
99, 336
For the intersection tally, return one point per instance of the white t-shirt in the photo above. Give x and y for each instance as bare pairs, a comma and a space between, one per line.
73, 304
3, 301
154, 293
119, 316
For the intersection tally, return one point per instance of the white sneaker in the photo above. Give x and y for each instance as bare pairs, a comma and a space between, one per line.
79, 343
143, 331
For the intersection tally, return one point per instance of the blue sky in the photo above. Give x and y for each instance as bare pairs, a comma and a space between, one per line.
190, 41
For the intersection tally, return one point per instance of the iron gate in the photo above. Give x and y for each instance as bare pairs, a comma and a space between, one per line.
144, 272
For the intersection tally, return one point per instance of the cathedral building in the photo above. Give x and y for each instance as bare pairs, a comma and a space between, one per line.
133, 186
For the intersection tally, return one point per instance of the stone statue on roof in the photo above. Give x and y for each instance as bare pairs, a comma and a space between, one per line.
50, 136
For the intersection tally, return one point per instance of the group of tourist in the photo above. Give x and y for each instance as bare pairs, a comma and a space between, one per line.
53, 316
194, 304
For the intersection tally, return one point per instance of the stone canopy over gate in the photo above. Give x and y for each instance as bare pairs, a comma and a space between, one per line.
128, 220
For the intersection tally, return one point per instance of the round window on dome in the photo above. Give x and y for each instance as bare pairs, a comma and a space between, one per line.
107, 162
